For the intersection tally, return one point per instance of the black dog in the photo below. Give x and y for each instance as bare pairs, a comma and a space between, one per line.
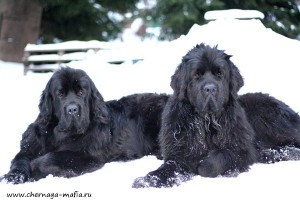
77, 132
207, 129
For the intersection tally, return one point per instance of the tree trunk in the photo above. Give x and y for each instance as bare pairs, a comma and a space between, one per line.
19, 25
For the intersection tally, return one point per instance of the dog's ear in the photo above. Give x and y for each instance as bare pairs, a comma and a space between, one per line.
236, 80
179, 81
99, 110
45, 105
181, 77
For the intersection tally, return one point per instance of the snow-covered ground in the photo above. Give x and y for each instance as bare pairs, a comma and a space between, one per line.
269, 63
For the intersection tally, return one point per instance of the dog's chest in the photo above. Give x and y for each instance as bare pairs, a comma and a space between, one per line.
204, 137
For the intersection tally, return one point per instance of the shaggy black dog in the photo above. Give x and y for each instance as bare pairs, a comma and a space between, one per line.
77, 132
207, 129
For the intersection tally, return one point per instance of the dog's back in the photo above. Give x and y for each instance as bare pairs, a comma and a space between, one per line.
136, 121
276, 125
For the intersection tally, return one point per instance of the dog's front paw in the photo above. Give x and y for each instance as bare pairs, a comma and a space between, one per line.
209, 168
14, 177
161, 180
147, 181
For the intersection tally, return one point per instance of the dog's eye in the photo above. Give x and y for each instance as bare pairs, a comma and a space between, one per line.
196, 75
219, 73
60, 93
80, 93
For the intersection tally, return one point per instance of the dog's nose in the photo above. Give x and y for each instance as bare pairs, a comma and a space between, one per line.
72, 109
210, 88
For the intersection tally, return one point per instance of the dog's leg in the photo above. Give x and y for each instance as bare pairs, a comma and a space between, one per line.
285, 153
167, 175
63, 164
20, 171
225, 162
30, 149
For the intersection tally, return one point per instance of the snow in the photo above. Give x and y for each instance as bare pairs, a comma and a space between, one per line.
70, 45
269, 63
233, 14
55, 57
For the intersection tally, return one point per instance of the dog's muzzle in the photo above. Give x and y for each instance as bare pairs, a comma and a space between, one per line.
210, 94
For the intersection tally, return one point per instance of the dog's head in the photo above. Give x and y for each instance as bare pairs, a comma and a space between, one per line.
70, 102
207, 79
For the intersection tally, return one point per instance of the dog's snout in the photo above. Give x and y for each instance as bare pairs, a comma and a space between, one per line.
210, 88
72, 109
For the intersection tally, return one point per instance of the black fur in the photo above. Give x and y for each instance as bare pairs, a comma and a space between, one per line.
77, 132
276, 126
207, 129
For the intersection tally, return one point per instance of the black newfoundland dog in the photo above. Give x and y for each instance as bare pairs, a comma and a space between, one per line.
77, 132
207, 129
